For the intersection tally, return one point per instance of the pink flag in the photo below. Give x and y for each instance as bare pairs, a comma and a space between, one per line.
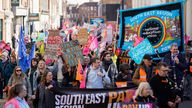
90, 39
7, 47
187, 38
138, 40
86, 50
64, 27
83, 82
2, 44
94, 44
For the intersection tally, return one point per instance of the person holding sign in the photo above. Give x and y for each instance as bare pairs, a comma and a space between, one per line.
164, 88
144, 72
96, 75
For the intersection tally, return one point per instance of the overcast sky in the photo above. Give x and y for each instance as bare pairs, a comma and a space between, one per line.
78, 1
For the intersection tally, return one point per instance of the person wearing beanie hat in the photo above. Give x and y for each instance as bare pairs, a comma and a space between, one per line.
147, 57
4, 56
145, 70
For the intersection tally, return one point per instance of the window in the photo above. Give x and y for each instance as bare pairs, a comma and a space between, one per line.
91, 8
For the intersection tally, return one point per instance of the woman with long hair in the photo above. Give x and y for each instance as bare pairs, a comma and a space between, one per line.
31, 71
110, 68
18, 77
46, 85
144, 93
16, 97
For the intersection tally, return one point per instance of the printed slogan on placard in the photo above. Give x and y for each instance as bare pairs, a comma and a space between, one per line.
53, 44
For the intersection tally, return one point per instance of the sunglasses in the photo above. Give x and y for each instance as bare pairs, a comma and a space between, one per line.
18, 70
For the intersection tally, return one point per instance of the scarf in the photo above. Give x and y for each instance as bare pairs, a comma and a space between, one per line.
106, 64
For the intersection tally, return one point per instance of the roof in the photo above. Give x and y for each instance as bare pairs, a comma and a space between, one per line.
89, 4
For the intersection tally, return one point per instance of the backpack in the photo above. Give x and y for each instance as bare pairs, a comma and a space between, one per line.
101, 70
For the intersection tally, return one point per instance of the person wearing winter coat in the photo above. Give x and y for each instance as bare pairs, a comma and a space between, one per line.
7, 66
16, 97
144, 94
18, 77
44, 90
110, 68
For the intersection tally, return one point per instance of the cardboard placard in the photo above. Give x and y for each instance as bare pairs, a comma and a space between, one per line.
83, 36
54, 33
53, 44
72, 53
137, 53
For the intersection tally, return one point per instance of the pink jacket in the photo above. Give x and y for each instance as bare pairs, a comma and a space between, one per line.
12, 101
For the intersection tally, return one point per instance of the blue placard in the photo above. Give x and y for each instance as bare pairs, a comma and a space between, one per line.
140, 50
97, 21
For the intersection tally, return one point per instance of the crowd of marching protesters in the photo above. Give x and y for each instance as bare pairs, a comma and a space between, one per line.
166, 82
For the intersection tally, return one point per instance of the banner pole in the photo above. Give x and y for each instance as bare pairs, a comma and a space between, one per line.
117, 20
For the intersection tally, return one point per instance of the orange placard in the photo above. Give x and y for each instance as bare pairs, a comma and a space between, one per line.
121, 84
79, 71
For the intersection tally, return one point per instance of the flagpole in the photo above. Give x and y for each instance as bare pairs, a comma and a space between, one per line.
117, 20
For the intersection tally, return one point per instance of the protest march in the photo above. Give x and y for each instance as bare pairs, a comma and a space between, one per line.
142, 60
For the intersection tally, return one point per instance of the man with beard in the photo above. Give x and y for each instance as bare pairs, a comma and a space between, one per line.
110, 68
